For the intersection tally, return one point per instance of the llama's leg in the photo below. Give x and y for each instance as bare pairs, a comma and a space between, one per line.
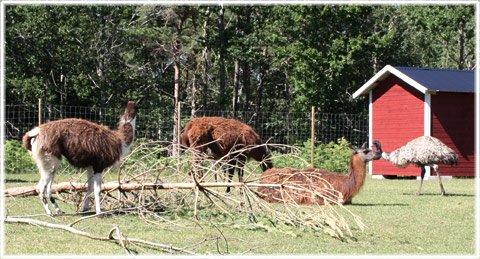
97, 179
49, 194
435, 167
86, 203
421, 181
42, 187
195, 170
231, 172
47, 165
241, 164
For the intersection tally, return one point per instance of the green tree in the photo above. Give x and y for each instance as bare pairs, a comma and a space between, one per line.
441, 36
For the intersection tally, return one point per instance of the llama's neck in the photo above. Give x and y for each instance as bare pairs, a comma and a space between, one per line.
127, 133
356, 174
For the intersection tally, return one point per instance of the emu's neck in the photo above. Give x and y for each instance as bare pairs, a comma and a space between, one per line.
126, 129
386, 156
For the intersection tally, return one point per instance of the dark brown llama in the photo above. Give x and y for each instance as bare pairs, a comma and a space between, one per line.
223, 136
318, 180
85, 145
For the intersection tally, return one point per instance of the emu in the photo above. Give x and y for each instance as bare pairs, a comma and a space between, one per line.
223, 136
422, 152
347, 185
85, 145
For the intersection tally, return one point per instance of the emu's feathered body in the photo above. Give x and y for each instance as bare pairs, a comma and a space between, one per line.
422, 152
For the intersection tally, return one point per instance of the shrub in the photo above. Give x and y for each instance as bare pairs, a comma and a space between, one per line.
17, 159
331, 156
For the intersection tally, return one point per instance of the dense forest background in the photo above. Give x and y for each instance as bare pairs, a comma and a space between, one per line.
237, 58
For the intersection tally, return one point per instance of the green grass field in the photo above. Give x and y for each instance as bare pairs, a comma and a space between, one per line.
398, 221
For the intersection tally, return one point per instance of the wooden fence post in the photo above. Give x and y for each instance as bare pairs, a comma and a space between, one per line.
39, 111
313, 137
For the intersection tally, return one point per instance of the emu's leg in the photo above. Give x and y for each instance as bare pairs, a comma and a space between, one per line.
86, 203
97, 179
421, 181
435, 166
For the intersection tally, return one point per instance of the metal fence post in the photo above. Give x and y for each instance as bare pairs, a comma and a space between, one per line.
39, 111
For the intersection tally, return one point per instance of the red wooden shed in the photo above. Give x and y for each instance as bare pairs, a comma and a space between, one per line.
405, 103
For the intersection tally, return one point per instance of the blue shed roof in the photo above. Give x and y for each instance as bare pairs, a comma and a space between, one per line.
425, 79
443, 80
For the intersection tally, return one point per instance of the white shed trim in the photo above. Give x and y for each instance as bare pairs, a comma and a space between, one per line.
427, 125
382, 75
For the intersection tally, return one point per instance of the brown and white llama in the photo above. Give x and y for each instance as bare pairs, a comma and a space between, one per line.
85, 145
220, 136
314, 180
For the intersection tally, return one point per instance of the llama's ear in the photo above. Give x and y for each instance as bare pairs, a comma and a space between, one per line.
124, 102
353, 148
364, 145
143, 93
139, 100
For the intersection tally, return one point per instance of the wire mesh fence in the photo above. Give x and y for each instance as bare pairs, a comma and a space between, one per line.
289, 128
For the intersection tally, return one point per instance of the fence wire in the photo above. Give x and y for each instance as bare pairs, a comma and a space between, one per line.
290, 128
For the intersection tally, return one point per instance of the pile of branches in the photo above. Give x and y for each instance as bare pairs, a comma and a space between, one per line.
153, 183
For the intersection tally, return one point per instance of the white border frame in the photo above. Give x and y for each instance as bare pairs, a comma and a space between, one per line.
253, 2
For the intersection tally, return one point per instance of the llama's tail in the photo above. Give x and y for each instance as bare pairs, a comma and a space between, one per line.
30, 137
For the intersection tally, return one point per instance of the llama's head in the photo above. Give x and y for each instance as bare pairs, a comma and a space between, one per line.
131, 110
266, 162
367, 154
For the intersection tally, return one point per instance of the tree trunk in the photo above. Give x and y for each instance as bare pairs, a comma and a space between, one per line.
205, 56
246, 86
194, 87
461, 46
263, 73
235, 89
221, 57
176, 93
205, 80
176, 114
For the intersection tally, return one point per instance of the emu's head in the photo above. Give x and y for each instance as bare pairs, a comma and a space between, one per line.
367, 154
377, 144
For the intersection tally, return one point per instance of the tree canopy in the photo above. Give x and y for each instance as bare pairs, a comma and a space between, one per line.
241, 58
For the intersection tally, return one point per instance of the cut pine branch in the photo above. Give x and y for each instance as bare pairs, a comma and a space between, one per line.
119, 237
67, 187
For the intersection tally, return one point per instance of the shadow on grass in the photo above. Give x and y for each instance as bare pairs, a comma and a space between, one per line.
438, 194
379, 204
16, 181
